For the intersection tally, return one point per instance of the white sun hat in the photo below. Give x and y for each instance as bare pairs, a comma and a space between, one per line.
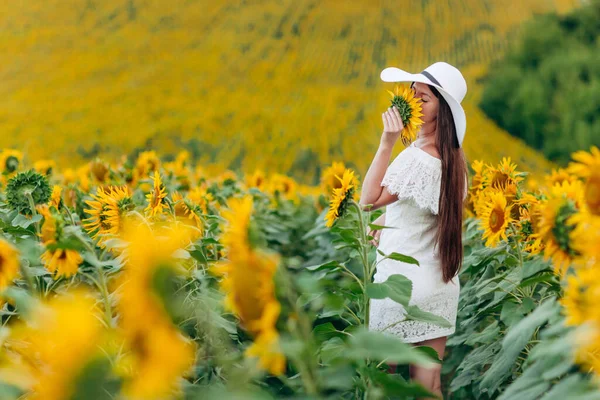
445, 78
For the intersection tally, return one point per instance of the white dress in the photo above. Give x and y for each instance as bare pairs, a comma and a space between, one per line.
415, 176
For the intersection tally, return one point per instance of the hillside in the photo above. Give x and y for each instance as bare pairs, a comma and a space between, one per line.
235, 81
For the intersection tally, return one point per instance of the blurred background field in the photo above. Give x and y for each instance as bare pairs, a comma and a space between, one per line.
233, 81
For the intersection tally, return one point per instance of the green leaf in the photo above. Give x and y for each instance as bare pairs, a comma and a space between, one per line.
384, 347
514, 342
397, 287
331, 265
573, 387
414, 313
397, 387
23, 222
332, 350
326, 331
379, 227
488, 335
399, 257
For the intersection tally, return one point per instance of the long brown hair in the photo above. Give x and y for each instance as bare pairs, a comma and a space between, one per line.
452, 203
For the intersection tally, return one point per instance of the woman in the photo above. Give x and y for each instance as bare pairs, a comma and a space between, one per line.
426, 187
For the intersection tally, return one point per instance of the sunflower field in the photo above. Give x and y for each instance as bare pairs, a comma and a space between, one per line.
147, 279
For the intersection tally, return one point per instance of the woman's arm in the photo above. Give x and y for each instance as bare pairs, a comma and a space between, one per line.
371, 185
372, 195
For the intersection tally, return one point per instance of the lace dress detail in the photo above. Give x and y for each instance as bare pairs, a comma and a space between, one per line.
415, 177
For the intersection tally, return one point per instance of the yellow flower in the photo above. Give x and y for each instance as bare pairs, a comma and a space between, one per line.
99, 170
503, 175
341, 197
146, 250
477, 180
159, 356
10, 160
62, 262
9, 263
248, 286
52, 346
147, 162
585, 237
329, 176
494, 218
236, 227
49, 227
588, 168
409, 108
266, 349
156, 198
559, 175
107, 211
201, 197
580, 297
55, 197
257, 180
44, 167
563, 201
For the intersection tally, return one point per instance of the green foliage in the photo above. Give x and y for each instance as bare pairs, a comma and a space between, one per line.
546, 89
511, 341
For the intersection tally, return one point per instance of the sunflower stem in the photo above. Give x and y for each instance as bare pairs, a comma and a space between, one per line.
33, 210
365, 261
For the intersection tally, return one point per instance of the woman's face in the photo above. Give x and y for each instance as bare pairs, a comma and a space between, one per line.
429, 103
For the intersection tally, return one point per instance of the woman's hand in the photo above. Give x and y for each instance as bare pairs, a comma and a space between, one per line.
392, 125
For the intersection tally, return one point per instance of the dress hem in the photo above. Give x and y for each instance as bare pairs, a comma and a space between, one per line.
433, 335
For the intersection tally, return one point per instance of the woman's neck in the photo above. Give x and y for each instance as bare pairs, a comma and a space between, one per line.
423, 139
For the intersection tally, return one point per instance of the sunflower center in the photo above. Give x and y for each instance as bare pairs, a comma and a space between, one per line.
496, 219
500, 180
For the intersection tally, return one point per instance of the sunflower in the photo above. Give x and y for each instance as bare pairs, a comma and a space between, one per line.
529, 219
157, 359
588, 168
62, 262
106, 211
146, 162
585, 236
185, 209
236, 226
10, 160
329, 180
495, 218
49, 231
156, 198
44, 167
248, 285
341, 197
268, 351
580, 297
409, 108
100, 171
201, 197
564, 201
478, 170
257, 180
55, 197
559, 175
9, 263
52, 347
147, 249
502, 176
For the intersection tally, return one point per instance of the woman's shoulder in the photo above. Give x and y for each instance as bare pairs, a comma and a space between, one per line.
415, 174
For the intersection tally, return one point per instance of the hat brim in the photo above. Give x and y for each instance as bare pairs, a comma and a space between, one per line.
393, 74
